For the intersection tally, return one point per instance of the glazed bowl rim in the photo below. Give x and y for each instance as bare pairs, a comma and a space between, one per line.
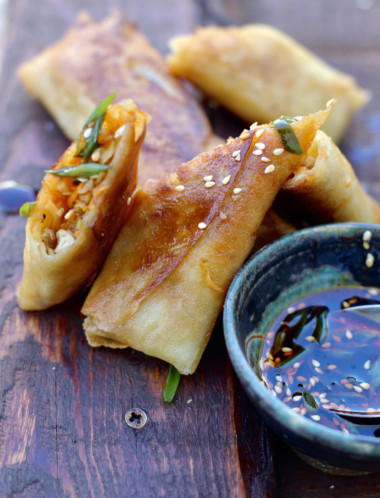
277, 410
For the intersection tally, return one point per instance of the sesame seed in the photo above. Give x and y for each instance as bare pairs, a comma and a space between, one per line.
269, 169
278, 152
179, 188
366, 245
348, 182
237, 158
119, 131
287, 350
69, 214
253, 125
202, 225
312, 381
364, 385
297, 365
300, 378
344, 430
310, 338
260, 145
323, 395
315, 363
349, 334
367, 365
337, 338
330, 102
316, 417
331, 367
303, 411
297, 397
259, 133
278, 378
244, 134
222, 215
226, 179
95, 156
230, 139
129, 201
326, 345
297, 118
373, 292
367, 235
348, 385
257, 152
265, 159
209, 184
345, 304
87, 133
369, 261
317, 369
358, 389
207, 178
237, 190
288, 392
278, 389
291, 309
236, 153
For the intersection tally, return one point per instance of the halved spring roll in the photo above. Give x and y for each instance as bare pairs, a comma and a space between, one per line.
325, 189
259, 73
167, 274
81, 206
94, 59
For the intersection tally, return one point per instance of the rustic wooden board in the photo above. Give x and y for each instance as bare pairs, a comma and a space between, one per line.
62, 404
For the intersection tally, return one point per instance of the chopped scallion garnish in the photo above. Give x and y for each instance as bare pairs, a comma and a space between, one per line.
80, 171
171, 385
26, 209
288, 137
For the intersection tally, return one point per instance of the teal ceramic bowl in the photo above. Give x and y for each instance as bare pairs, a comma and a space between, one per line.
308, 260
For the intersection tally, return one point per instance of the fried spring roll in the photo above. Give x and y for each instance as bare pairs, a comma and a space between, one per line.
94, 60
325, 189
259, 73
166, 277
77, 217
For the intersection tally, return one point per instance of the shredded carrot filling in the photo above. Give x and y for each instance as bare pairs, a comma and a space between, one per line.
62, 202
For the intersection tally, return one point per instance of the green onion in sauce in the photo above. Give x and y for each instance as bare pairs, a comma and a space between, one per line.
325, 363
288, 137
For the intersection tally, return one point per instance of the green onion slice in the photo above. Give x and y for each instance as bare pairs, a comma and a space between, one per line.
97, 115
26, 209
80, 171
171, 385
288, 137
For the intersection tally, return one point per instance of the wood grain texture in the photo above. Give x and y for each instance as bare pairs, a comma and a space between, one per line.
62, 404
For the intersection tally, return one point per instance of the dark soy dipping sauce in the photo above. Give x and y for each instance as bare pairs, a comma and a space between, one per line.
317, 361
13, 195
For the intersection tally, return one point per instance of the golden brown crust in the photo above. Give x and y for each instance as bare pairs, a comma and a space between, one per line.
94, 60
51, 277
165, 279
325, 189
260, 73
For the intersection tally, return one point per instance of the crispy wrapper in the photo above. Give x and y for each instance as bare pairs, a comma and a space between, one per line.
166, 277
94, 60
325, 189
73, 224
259, 73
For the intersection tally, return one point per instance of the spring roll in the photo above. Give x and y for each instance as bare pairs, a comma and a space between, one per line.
259, 73
164, 282
81, 206
325, 189
94, 60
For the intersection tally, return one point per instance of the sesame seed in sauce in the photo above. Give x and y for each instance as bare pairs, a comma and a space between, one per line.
237, 158
287, 350
253, 125
265, 159
95, 156
237, 190
278, 152
226, 179
369, 260
259, 133
269, 169
129, 201
209, 184
236, 153
366, 245
260, 145
257, 152
202, 225
222, 215
207, 178
179, 188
